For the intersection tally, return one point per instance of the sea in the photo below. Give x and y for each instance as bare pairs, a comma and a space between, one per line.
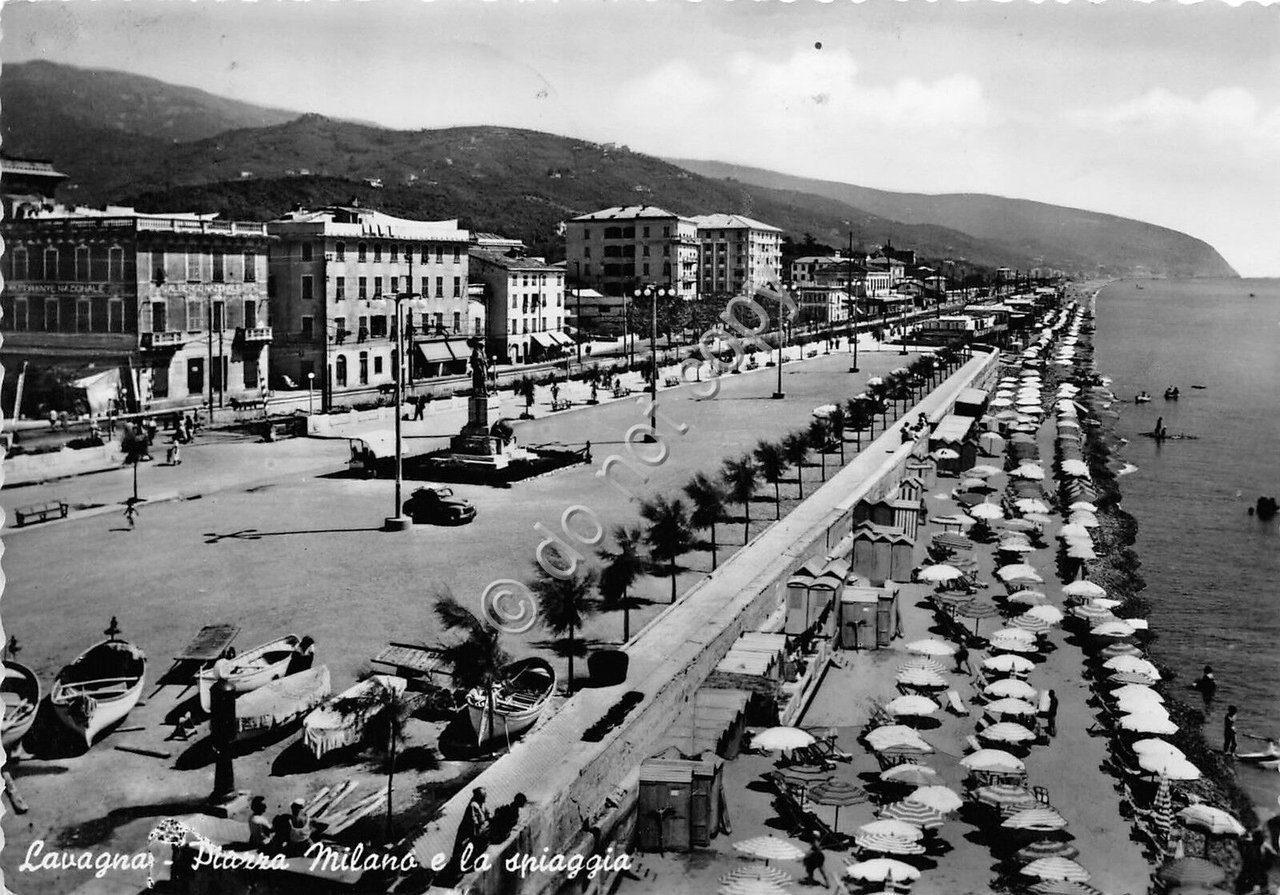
1212, 569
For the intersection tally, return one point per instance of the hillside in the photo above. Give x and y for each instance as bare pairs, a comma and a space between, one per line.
1075, 237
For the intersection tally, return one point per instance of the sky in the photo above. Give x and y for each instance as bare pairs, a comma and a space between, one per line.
1161, 111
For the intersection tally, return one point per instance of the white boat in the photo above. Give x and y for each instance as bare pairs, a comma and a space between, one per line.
279, 703
250, 670
21, 692
343, 719
516, 702
99, 687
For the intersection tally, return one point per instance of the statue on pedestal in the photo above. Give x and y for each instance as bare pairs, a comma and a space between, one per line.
479, 368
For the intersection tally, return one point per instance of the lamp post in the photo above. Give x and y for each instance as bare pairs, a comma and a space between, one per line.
782, 337
653, 293
397, 521
853, 308
311, 383
577, 292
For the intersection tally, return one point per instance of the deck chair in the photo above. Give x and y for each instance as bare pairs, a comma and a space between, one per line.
827, 837
955, 704
825, 747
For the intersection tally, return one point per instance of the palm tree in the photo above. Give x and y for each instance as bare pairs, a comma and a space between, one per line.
836, 421
819, 435
709, 498
477, 657
525, 389
900, 390
773, 464
669, 535
858, 413
565, 604
381, 703
621, 569
879, 398
795, 447
741, 477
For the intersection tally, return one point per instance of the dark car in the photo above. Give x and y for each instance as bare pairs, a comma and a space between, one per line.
438, 506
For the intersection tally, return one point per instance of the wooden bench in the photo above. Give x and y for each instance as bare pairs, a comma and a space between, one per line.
621, 392
671, 381
561, 405
41, 511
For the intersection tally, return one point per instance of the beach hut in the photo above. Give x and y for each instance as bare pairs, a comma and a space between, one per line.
911, 488
971, 402
868, 617
800, 614
955, 434
881, 554
702, 795
900, 513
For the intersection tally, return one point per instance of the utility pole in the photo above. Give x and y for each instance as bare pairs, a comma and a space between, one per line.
853, 309
209, 340
397, 521
577, 292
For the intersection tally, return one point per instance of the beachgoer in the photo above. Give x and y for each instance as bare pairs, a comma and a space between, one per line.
1207, 686
259, 826
131, 511
304, 656
962, 658
299, 828
419, 406
1051, 715
473, 831
506, 818
815, 862
1229, 731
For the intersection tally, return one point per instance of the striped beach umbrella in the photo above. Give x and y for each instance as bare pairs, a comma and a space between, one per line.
909, 775
838, 794
1190, 872
1162, 811
1056, 868
1091, 613
887, 845
1052, 614
1117, 628
769, 848
751, 887
1014, 640
914, 813
922, 664
1112, 650
897, 829
1063, 887
921, 678
1039, 818
1047, 848
757, 872
1005, 796
1032, 623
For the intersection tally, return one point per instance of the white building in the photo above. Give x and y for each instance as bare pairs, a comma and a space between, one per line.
618, 250
736, 253
525, 306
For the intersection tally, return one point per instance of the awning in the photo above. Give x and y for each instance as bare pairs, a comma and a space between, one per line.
435, 352
543, 339
560, 338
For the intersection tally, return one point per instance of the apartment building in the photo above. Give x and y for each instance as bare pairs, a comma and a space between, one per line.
525, 306
621, 249
738, 254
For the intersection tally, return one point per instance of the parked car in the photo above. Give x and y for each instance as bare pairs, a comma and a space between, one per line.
438, 506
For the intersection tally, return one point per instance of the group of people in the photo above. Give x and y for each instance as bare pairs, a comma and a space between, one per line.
480, 828
285, 834
911, 431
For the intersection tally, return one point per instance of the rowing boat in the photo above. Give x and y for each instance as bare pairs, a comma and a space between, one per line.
515, 703
100, 687
249, 671
21, 692
280, 703
344, 719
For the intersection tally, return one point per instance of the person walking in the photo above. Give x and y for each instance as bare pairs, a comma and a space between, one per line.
815, 862
962, 658
131, 511
1207, 686
1229, 731
473, 832
1051, 715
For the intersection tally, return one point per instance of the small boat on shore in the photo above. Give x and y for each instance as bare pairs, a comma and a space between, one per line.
249, 671
1143, 398
515, 703
100, 686
1271, 753
280, 703
1171, 394
21, 691
343, 719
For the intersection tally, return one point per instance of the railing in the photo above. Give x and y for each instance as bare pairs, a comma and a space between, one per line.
161, 340
256, 333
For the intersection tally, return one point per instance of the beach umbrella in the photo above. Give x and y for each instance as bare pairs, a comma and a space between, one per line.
1073, 531
1039, 519
887, 845
1020, 525
1083, 506
978, 610
1031, 505
1132, 663
909, 775
1131, 677
984, 470
994, 760
1056, 868
893, 735
1005, 795
1068, 423
930, 647
987, 512
1088, 520
804, 775
751, 887
915, 813
1149, 722
1019, 571
838, 794
953, 599
973, 483
1010, 688
769, 848
1119, 649
1135, 692
824, 411
1008, 639
1032, 623
1084, 589
939, 574
1132, 704
1190, 872
1117, 628
1091, 613
1047, 848
1080, 550
940, 798
1006, 732
1156, 747
757, 872
991, 442
922, 664
1052, 614
945, 454
921, 678
1029, 471
879, 870
1213, 821
896, 829
1011, 706
1020, 547
1162, 811
1028, 597
1168, 766
1105, 603
920, 706
1077, 468
782, 739
1037, 818
1008, 664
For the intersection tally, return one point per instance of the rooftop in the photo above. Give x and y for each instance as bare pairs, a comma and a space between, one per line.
517, 263
352, 220
629, 212
29, 167
730, 222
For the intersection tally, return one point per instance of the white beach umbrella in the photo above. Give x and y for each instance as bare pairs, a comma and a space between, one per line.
1018, 571
1149, 723
1029, 471
894, 736
939, 574
1131, 704
931, 646
1169, 766
1079, 517
939, 798
984, 470
1031, 505
1019, 547
1073, 531
1008, 664
782, 739
919, 706
1052, 614
1083, 506
945, 454
1085, 589
1008, 705
1078, 549
1028, 597
1157, 748
1131, 663
879, 870
986, 511
1010, 688
995, 760
910, 775
1006, 732
1211, 820
1105, 603
824, 411
1075, 468
1132, 690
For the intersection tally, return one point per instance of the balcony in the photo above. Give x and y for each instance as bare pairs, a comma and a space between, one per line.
166, 341
254, 333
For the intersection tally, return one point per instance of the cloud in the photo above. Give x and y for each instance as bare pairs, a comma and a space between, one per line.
1228, 116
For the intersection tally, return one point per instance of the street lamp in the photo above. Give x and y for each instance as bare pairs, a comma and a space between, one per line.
397, 521
782, 336
653, 293
311, 383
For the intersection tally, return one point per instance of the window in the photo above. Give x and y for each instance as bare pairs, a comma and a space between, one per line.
424, 251
377, 287
51, 315
377, 358
250, 314
19, 261
340, 370
477, 321
308, 328
394, 285
339, 330
362, 329
378, 326
307, 287
457, 254
219, 262
82, 263
20, 315
439, 321
193, 267
251, 267
306, 251
395, 256
646, 232
218, 374
160, 378
219, 316
514, 325
50, 264
457, 286
362, 252
340, 288
362, 288
666, 231
115, 316
158, 311
457, 321
439, 287
515, 300
439, 254
340, 251
586, 251
377, 251
250, 372
84, 319
364, 368
646, 268
586, 270
426, 287
195, 376
645, 252
586, 233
